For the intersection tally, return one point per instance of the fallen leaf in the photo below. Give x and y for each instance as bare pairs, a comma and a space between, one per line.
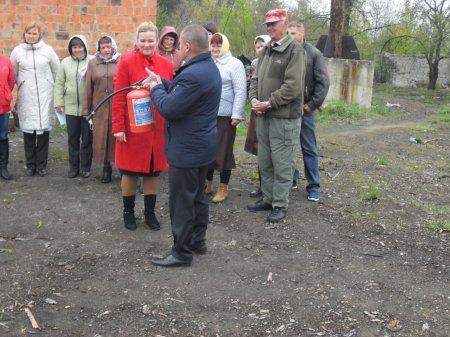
50, 301
69, 266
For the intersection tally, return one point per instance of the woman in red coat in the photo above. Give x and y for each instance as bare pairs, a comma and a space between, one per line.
139, 154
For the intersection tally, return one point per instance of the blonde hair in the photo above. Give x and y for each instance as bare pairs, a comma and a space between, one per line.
147, 26
29, 26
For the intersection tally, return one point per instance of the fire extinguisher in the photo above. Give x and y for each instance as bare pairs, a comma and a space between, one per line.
139, 105
140, 111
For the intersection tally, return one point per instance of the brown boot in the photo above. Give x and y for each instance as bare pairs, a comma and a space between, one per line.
222, 193
208, 187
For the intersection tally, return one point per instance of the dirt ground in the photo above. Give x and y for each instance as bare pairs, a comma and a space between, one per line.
346, 266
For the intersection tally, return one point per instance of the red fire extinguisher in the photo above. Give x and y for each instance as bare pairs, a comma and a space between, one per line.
140, 111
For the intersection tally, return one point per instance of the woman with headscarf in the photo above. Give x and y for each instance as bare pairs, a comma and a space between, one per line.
230, 114
69, 94
99, 84
168, 46
35, 65
139, 154
251, 142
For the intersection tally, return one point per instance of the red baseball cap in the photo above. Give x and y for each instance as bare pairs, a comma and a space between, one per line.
276, 15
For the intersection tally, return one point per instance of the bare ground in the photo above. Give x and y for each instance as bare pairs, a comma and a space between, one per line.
345, 266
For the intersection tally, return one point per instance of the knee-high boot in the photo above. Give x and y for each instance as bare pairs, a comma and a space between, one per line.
128, 212
149, 212
4, 157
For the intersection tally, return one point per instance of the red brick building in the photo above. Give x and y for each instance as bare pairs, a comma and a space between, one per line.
61, 19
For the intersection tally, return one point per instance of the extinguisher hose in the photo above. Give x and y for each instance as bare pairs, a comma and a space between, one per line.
137, 85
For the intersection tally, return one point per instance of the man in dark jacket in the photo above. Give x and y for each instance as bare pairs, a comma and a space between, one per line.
276, 94
189, 105
316, 89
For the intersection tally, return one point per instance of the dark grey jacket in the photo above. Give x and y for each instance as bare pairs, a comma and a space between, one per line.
316, 77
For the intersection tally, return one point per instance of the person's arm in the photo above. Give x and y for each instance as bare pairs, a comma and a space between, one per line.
119, 103
239, 80
87, 99
321, 82
60, 83
11, 78
54, 62
177, 102
293, 82
15, 65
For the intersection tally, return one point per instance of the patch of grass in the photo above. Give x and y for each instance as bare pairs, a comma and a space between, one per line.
440, 225
442, 211
341, 112
252, 174
442, 115
424, 128
6, 250
7, 200
419, 140
373, 193
383, 162
58, 154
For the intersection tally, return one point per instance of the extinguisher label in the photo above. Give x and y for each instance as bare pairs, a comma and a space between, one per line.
143, 112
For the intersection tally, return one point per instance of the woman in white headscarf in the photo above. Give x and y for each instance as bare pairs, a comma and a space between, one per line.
99, 84
230, 114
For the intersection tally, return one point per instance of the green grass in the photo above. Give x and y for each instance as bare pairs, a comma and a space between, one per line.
338, 112
442, 115
424, 128
58, 154
440, 225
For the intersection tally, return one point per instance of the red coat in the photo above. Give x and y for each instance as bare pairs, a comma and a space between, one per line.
135, 155
6, 84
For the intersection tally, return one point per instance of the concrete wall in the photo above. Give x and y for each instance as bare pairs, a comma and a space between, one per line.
61, 19
406, 71
350, 80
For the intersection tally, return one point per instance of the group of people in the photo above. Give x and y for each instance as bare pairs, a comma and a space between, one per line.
198, 92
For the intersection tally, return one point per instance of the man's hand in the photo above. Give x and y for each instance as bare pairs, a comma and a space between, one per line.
306, 108
59, 109
152, 80
121, 136
260, 108
235, 122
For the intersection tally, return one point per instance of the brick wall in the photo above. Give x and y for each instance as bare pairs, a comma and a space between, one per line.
61, 19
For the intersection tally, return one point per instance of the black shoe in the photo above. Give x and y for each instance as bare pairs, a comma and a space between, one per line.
5, 174
42, 172
107, 174
260, 205
151, 221
170, 261
277, 214
129, 220
30, 172
199, 248
72, 174
85, 174
256, 193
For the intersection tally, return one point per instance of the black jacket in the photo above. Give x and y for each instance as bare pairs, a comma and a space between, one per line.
189, 104
316, 77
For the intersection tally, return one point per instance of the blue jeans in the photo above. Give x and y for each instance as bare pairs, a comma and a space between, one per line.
4, 125
308, 144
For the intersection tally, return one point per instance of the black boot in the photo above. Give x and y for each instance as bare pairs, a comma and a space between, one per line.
107, 172
4, 157
149, 212
128, 212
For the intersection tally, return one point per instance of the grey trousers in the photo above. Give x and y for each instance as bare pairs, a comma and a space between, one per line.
278, 140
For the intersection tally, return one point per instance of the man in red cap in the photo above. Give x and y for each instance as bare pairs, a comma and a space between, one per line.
276, 94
